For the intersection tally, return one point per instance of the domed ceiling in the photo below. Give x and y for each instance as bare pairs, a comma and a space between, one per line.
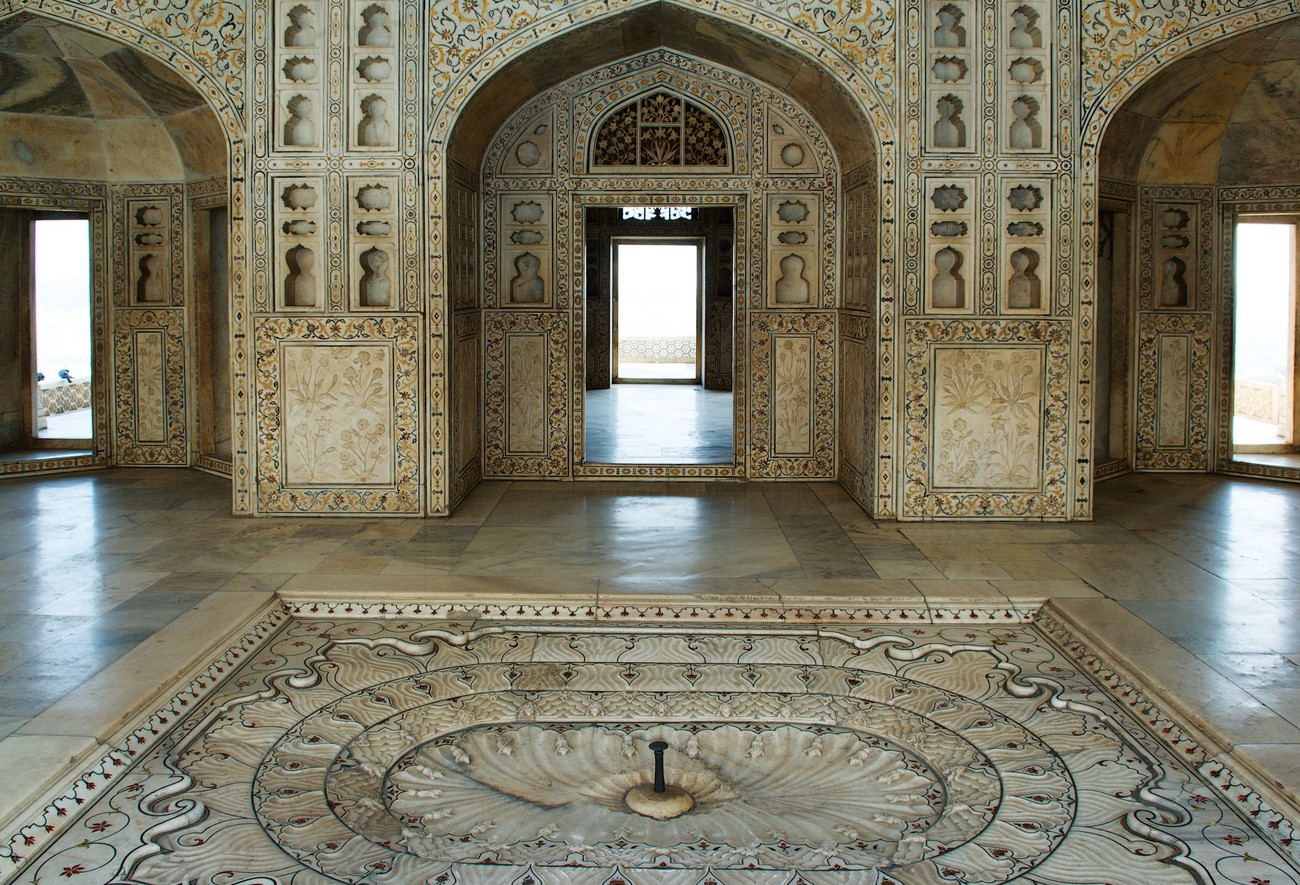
1228, 115
80, 106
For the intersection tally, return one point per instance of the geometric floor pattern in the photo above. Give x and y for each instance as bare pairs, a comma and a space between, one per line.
476, 751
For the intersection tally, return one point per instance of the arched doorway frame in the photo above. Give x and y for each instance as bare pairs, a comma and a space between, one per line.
856, 56
1172, 44
225, 101
746, 110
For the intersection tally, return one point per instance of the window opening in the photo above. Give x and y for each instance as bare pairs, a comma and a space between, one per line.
61, 328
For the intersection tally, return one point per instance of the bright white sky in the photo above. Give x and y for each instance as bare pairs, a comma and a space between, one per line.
1263, 300
657, 290
62, 273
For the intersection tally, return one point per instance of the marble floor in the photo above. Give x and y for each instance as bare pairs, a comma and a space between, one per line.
658, 424
114, 583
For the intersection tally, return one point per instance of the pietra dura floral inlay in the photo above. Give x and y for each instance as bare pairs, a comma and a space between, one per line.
439, 752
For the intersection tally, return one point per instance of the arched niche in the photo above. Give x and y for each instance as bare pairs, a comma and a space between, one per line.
743, 79
102, 127
1199, 144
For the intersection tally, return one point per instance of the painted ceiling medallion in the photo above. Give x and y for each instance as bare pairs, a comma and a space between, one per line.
370, 752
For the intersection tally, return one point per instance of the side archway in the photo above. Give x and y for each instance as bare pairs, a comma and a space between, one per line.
1180, 148
114, 123
845, 175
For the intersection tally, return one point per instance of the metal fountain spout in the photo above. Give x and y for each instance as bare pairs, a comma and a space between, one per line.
659, 800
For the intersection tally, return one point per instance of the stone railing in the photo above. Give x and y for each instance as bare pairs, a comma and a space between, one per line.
656, 350
58, 397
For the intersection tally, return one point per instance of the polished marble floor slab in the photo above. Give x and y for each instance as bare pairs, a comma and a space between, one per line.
1192, 580
658, 424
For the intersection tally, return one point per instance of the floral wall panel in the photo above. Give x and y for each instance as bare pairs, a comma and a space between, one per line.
526, 393
1175, 393
987, 421
526, 418
986, 428
337, 415
149, 387
792, 419
1173, 396
466, 404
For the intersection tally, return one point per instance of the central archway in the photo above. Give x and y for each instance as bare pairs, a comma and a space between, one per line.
784, 427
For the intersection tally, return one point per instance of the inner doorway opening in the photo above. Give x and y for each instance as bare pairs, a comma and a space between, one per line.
1264, 352
659, 327
657, 311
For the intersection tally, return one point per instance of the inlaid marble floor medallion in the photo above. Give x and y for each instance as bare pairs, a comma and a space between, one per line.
463, 752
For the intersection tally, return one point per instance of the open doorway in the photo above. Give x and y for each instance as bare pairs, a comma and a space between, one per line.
659, 328
1264, 358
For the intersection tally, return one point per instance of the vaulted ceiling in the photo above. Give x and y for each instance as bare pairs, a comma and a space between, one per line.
78, 105
1228, 114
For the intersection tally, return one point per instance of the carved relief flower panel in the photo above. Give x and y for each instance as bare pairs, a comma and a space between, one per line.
337, 414
988, 417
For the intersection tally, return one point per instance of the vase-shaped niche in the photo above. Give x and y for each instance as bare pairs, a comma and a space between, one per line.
1024, 288
948, 288
791, 287
949, 34
302, 27
949, 128
374, 130
375, 31
527, 286
1026, 131
1173, 283
300, 128
300, 283
1024, 29
149, 287
375, 287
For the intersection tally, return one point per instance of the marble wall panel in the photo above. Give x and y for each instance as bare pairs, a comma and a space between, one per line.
526, 415
337, 408
467, 404
987, 406
987, 435
792, 412
337, 414
1173, 391
150, 398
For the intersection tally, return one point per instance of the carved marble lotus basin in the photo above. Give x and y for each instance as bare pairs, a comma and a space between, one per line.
437, 752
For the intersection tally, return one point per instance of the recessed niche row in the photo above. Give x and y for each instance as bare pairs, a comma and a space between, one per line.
793, 226
950, 74
950, 281
147, 259
300, 235
951, 62
1024, 94
300, 79
1174, 259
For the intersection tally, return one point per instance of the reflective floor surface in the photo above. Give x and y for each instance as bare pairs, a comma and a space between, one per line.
113, 582
658, 424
